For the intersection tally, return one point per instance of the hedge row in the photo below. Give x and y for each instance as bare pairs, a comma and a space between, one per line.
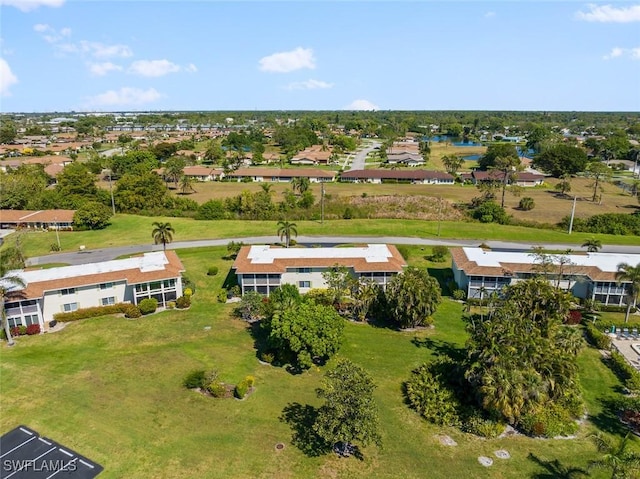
93, 312
627, 373
596, 337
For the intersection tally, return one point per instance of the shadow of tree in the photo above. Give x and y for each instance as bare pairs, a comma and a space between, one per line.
555, 469
441, 348
444, 276
609, 418
301, 419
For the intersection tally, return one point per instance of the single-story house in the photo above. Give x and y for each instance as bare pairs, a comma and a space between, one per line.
592, 276
263, 268
413, 176
408, 159
282, 174
43, 219
68, 288
198, 173
521, 178
314, 155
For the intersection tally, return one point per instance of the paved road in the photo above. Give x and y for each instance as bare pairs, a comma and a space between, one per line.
360, 157
106, 254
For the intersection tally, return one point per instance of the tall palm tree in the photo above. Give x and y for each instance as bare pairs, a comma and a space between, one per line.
616, 456
629, 274
162, 233
593, 245
285, 230
301, 184
186, 185
7, 282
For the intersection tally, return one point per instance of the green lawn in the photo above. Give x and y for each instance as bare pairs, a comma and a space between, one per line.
131, 229
111, 389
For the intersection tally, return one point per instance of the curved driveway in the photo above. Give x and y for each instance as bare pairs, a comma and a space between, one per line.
106, 254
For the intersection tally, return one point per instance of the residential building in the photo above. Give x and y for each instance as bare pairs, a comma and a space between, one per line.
263, 268
281, 174
402, 176
43, 219
69, 288
479, 273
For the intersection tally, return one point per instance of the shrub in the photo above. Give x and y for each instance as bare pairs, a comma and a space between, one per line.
459, 294
183, 302
481, 426
439, 253
627, 373
217, 389
490, 212
596, 337
574, 317
526, 204
171, 304
222, 296
148, 305
616, 309
549, 420
132, 311
54, 247
236, 291
404, 251
33, 329
18, 331
241, 389
267, 357
93, 312
250, 380
195, 379
188, 292
212, 271
348, 213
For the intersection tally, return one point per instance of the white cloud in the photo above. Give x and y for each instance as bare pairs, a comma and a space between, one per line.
7, 78
191, 68
617, 52
489, 14
42, 27
29, 5
100, 50
153, 68
363, 105
609, 14
284, 62
126, 96
65, 32
101, 69
309, 85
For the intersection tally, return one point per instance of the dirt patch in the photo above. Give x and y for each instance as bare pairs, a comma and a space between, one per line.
485, 461
447, 440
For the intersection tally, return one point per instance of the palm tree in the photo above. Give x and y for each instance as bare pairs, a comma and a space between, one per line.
593, 245
285, 230
186, 185
301, 184
629, 274
162, 233
7, 282
615, 457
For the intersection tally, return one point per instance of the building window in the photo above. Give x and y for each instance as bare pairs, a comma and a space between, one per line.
67, 291
304, 284
31, 319
108, 301
304, 270
106, 286
69, 307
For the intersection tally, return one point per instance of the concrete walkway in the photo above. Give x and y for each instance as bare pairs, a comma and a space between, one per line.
107, 254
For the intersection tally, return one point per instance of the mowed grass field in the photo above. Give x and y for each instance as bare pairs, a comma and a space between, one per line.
110, 388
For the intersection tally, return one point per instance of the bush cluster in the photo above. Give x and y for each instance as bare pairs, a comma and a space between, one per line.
241, 390
549, 420
132, 311
33, 329
574, 317
627, 373
195, 379
212, 271
183, 302
222, 296
596, 337
481, 426
23, 330
148, 305
616, 309
93, 312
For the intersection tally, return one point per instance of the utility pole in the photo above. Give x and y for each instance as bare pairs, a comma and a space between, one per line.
58, 233
439, 213
573, 212
321, 202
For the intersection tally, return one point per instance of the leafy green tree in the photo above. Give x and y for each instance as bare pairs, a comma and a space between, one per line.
629, 274
22, 186
10, 258
307, 200
174, 169
526, 204
593, 245
452, 163
490, 212
212, 210
137, 192
616, 456
349, 413
561, 159
8, 132
92, 216
413, 296
250, 306
164, 150
286, 230
214, 153
497, 150
308, 333
76, 181
508, 166
134, 162
162, 233
300, 184
537, 137
600, 173
363, 294
338, 280
564, 186
186, 185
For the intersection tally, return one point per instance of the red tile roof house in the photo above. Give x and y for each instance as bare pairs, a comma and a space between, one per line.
65, 289
282, 174
263, 268
411, 176
404, 158
312, 156
43, 219
479, 273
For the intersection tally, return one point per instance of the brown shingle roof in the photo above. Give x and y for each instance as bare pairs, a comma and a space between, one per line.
43, 216
282, 173
396, 174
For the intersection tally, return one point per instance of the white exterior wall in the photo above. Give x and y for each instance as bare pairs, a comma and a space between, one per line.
315, 278
84, 296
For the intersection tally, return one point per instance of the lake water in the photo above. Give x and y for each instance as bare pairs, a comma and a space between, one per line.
471, 157
455, 141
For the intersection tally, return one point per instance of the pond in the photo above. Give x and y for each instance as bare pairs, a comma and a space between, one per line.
455, 141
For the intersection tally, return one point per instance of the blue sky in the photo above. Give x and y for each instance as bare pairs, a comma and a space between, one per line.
58, 55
